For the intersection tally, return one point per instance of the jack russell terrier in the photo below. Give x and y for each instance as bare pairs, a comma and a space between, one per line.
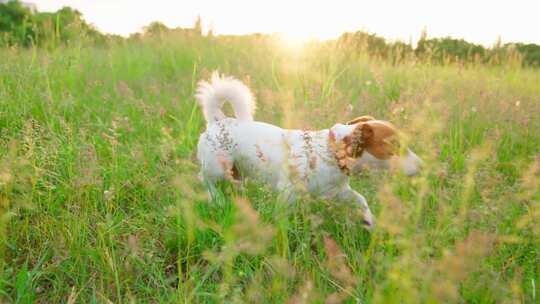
290, 161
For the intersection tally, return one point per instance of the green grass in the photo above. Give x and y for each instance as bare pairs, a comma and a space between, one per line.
100, 201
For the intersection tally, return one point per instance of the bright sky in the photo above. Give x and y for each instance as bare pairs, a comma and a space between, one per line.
480, 21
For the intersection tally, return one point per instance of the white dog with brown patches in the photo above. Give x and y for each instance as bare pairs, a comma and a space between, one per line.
290, 161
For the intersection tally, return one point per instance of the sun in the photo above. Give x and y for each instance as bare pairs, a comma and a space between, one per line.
297, 37
295, 40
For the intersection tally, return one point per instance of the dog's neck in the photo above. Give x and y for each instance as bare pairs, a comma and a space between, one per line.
344, 146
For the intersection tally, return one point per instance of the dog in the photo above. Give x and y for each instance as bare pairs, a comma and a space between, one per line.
291, 161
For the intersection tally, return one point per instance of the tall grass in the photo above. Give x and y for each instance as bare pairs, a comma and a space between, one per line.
100, 201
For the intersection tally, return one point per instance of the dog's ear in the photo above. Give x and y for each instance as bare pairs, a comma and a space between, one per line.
367, 131
363, 118
358, 139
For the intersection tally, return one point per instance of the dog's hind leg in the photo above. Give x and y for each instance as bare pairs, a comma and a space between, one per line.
218, 167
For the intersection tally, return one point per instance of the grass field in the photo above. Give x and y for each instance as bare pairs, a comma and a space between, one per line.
100, 201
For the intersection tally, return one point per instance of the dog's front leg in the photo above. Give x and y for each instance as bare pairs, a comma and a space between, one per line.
348, 195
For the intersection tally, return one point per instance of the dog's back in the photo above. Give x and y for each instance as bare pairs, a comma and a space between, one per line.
258, 145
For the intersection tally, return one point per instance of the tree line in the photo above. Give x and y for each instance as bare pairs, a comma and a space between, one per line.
21, 26
441, 50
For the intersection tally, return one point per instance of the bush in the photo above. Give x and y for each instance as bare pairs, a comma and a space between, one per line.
440, 50
20, 26
15, 24
448, 49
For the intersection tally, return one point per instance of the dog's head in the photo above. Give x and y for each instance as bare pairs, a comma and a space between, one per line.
367, 142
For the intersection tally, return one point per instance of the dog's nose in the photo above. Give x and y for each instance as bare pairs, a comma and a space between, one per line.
368, 221
412, 164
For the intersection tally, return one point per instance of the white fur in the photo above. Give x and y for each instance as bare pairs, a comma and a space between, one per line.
211, 96
290, 161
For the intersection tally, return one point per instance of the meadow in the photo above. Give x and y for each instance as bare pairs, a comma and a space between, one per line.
100, 200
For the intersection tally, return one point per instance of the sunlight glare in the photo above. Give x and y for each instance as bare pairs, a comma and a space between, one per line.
295, 40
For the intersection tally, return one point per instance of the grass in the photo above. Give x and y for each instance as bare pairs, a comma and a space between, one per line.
100, 201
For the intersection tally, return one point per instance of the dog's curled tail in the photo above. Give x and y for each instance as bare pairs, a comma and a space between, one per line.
213, 94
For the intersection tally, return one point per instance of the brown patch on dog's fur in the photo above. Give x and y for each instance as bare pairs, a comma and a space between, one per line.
342, 152
377, 137
359, 119
312, 162
259, 153
236, 174
380, 139
357, 140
